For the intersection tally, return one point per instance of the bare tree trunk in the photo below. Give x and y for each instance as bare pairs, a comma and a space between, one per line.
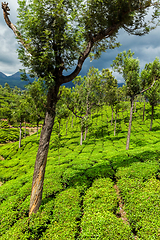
20, 134
86, 128
152, 118
37, 128
25, 130
85, 135
130, 123
115, 124
112, 117
59, 128
135, 106
41, 159
144, 110
81, 138
72, 120
66, 126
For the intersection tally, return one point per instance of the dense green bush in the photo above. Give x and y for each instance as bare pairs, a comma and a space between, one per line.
99, 220
79, 200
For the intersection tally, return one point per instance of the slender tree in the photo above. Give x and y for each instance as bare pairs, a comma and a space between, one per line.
150, 73
37, 98
57, 35
130, 69
87, 94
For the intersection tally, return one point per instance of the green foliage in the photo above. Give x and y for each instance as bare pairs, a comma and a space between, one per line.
9, 134
79, 199
129, 68
100, 202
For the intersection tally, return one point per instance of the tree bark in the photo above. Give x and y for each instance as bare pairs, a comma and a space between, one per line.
20, 134
81, 138
130, 123
72, 120
66, 126
144, 110
112, 117
25, 130
115, 124
152, 118
85, 135
41, 159
37, 128
135, 106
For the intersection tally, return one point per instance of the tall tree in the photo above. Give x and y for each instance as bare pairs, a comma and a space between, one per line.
88, 93
110, 88
130, 69
151, 73
57, 35
36, 96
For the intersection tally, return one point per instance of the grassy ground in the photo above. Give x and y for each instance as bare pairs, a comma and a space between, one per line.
94, 191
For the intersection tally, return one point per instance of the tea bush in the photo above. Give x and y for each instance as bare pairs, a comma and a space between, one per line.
79, 200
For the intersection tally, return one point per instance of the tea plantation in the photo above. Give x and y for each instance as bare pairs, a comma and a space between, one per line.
94, 191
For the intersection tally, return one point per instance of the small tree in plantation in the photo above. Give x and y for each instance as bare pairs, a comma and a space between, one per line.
57, 35
37, 99
130, 69
110, 88
151, 73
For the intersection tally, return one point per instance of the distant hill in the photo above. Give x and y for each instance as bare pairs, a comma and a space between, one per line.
15, 80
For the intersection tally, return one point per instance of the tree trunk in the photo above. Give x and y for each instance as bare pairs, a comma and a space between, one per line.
85, 135
130, 123
87, 112
152, 118
25, 130
41, 159
112, 117
135, 106
20, 134
59, 128
81, 138
72, 120
66, 126
144, 110
115, 124
37, 128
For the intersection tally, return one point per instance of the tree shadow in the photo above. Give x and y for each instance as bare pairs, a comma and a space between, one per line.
76, 176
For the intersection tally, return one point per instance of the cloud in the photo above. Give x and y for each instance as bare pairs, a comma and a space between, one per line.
9, 62
146, 47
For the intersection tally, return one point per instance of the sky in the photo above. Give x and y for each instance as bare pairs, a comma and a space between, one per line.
146, 48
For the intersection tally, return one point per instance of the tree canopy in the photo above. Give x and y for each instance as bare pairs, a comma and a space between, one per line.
57, 35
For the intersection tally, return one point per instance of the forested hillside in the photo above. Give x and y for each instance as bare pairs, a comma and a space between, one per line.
96, 190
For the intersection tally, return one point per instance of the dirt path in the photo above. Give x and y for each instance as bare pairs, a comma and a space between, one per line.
122, 214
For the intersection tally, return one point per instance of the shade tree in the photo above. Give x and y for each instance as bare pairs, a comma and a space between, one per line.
87, 94
36, 98
151, 73
129, 67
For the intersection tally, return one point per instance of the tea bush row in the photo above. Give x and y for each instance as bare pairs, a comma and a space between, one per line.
99, 220
141, 193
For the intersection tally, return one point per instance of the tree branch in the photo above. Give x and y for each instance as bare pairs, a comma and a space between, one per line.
6, 9
149, 87
72, 110
101, 35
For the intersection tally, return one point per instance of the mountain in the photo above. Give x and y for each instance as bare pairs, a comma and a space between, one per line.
2, 75
13, 80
